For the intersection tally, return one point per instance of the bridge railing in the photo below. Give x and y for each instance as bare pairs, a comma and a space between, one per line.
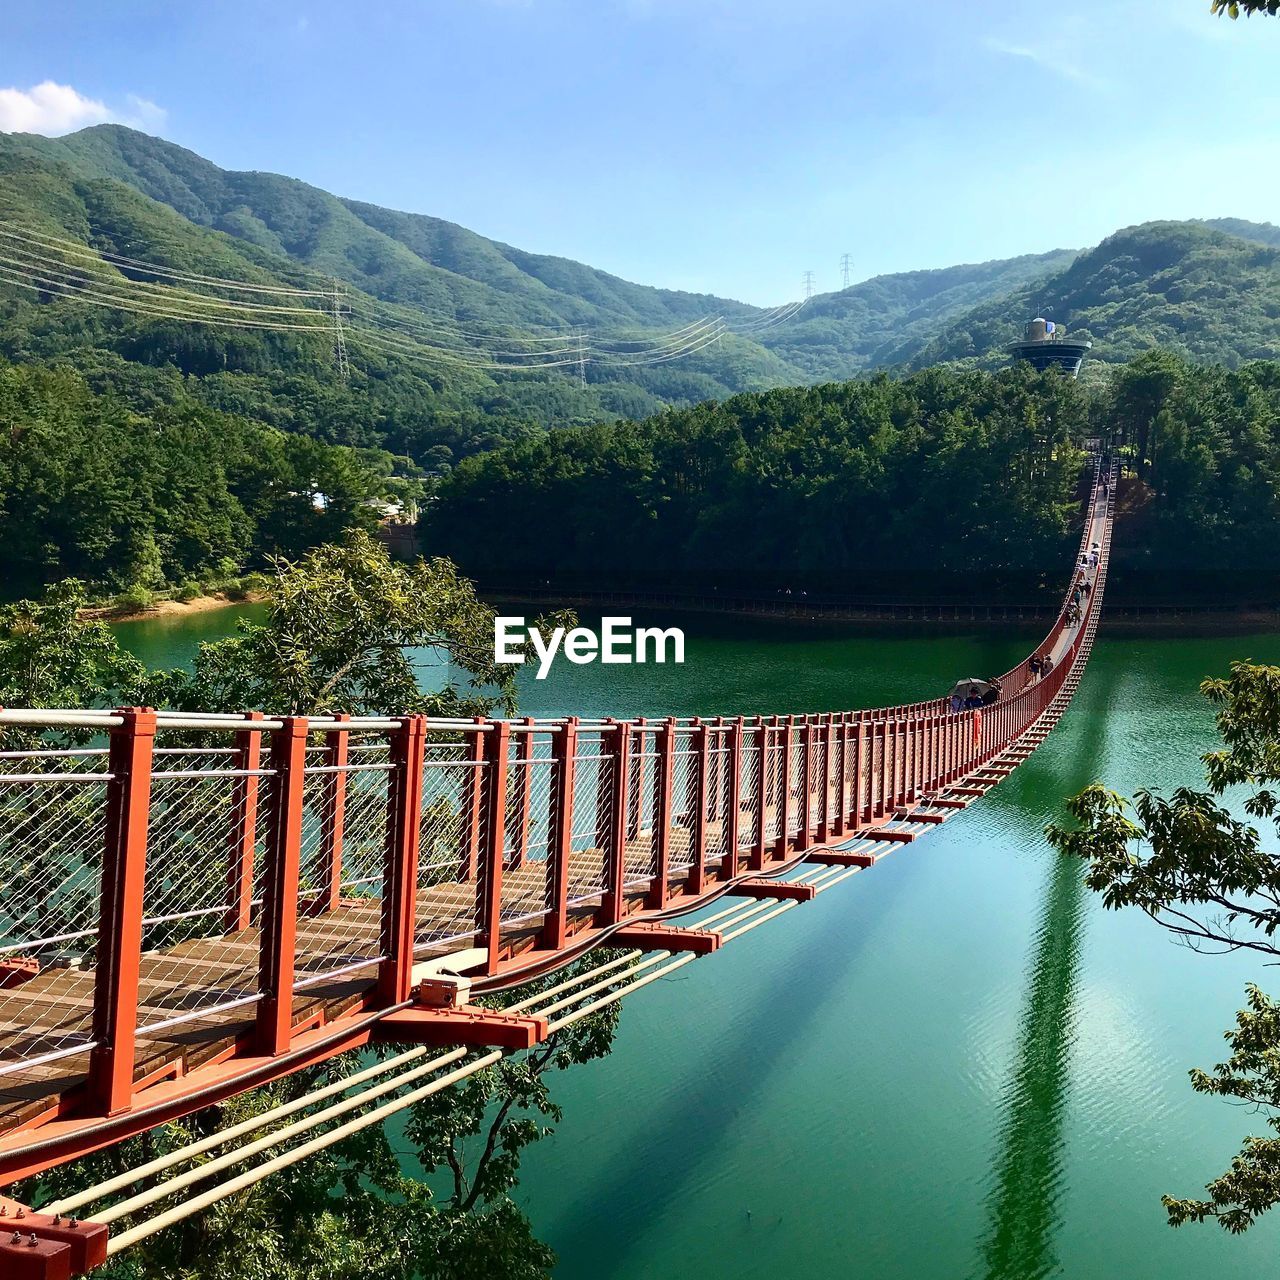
173, 880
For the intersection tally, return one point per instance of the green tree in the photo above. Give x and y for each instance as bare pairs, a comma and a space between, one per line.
1234, 8
1205, 876
340, 634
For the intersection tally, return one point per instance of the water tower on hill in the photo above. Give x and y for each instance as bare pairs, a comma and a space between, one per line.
1046, 346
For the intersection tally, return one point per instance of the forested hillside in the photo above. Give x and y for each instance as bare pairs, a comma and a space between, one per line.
842, 487
1206, 290
943, 485
91, 489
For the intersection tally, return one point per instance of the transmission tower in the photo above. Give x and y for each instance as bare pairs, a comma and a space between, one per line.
339, 338
582, 358
808, 285
844, 269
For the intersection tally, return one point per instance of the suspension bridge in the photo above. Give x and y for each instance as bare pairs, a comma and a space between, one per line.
195, 905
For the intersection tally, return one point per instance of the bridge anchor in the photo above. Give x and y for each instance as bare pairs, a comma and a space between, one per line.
787, 891
41, 1246
652, 935
468, 1024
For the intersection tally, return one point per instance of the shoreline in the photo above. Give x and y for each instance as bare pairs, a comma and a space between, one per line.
1180, 619
173, 608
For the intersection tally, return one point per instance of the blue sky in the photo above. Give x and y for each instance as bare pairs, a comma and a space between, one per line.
719, 145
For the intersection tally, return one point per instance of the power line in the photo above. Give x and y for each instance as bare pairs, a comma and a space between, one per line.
38, 264
77, 250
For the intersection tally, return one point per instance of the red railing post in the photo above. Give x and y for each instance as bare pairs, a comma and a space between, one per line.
333, 809
699, 776
785, 799
804, 837
564, 752
860, 810
522, 793
664, 816
759, 852
244, 827
469, 864
119, 948
497, 749
619, 762
733, 817
280, 899
400, 871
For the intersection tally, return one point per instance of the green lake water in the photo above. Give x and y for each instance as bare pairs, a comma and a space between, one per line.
955, 1065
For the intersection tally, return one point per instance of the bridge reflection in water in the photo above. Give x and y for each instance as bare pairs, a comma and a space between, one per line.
208, 902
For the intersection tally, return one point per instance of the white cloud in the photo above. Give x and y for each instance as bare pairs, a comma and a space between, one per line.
52, 109
1056, 57
143, 114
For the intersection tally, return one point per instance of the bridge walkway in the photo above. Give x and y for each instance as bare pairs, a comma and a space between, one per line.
207, 902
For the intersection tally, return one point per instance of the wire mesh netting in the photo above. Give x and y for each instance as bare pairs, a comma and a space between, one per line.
749, 791
774, 774
195, 960
818, 789
346, 797
530, 827
591, 837
684, 799
795, 776
716, 801
640, 862
452, 818
52, 833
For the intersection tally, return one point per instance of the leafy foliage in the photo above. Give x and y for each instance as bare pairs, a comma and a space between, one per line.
92, 489
1205, 877
344, 631
810, 486
1234, 8
335, 638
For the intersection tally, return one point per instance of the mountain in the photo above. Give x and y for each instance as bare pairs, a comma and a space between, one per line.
413, 284
397, 257
446, 275
860, 327
1209, 292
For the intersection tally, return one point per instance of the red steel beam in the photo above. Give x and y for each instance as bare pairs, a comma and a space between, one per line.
655, 936
124, 870
400, 868
280, 904
564, 750
496, 751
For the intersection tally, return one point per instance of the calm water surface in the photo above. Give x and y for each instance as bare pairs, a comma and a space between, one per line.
957, 1065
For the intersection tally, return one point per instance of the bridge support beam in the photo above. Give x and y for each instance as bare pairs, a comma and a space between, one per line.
842, 858
887, 833
47, 1245
780, 890
468, 1024
655, 936
124, 869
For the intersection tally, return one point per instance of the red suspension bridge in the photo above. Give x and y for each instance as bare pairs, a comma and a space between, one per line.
194, 905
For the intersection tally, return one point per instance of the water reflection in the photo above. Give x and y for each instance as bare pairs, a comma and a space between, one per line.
1027, 1174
